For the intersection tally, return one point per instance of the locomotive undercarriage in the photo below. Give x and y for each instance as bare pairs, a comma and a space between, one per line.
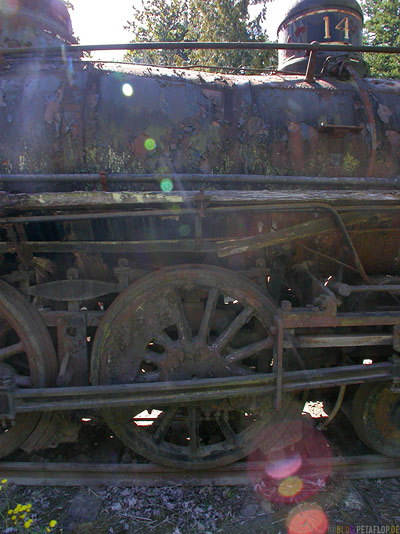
197, 346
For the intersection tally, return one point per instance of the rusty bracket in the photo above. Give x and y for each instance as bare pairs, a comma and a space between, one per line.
277, 331
312, 61
104, 181
324, 298
72, 344
127, 275
395, 360
7, 406
339, 130
201, 202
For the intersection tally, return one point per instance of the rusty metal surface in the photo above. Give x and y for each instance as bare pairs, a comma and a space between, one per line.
100, 170
72, 348
376, 417
139, 395
31, 23
189, 122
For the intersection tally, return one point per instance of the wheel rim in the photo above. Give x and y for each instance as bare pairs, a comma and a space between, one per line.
26, 355
376, 417
186, 323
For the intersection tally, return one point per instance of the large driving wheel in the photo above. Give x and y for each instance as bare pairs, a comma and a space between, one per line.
376, 417
26, 356
189, 322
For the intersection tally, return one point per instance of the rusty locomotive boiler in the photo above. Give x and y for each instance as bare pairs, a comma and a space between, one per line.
190, 252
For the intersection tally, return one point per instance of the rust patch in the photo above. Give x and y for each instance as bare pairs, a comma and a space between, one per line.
394, 140
384, 113
52, 112
213, 95
138, 147
296, 145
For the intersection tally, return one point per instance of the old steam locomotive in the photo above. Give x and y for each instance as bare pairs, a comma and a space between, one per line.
190, 252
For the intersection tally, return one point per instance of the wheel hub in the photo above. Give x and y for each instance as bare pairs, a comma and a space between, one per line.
195, 360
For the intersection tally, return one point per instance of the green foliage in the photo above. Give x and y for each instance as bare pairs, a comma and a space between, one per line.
199, 20
382, 27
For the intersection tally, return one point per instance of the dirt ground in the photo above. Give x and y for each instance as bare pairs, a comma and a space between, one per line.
343, 506
332, 505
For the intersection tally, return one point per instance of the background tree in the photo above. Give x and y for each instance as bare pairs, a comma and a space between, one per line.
382, 27
200, 20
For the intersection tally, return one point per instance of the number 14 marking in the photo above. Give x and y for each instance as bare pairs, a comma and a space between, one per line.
342, 25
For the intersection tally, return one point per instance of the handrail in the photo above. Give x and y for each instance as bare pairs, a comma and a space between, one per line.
196, 45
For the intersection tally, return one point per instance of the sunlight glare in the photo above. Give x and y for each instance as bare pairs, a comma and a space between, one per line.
127, 89
9, 7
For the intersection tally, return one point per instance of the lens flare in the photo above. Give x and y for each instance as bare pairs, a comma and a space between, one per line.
184, 230
127, 89
290, 487
296, 471
166, 185
150, 144
284, 468
311, 520
9, 7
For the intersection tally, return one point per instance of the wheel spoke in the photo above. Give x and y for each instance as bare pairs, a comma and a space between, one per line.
226, 429
233, 328
153, 357
194, 430
6, 352
245, 352
149, 376
209, 309
239, 370
164, 340
180, 317
165, 422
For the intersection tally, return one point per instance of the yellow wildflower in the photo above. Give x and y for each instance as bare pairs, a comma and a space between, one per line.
4, 481
14, 517
17, 508
28, 506
10, 512
53, 523
22, 516
28, 523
